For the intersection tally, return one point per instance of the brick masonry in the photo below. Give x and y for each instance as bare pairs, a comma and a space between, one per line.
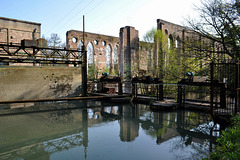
13, 31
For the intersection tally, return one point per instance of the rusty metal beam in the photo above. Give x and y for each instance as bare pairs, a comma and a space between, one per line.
19, 52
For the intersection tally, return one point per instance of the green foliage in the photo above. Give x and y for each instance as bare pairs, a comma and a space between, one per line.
93, 72
229, 143
115, 71
167, 60
105, 70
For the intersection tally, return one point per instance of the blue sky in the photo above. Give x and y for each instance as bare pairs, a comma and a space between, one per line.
101, 16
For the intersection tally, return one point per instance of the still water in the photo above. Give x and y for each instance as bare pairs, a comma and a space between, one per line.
100, 130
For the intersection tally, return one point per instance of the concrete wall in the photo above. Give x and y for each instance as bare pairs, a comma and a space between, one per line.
13, 31
23, 83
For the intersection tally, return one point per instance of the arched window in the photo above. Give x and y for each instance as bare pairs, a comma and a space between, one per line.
170, 42
80, 44
166, 32
116, 55
178, 43
108, 55
116, 60
90, 53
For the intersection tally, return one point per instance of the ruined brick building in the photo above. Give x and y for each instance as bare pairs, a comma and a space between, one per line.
119, 53
12, 31
123, 55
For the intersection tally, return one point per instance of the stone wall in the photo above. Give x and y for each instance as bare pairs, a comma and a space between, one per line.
24, 83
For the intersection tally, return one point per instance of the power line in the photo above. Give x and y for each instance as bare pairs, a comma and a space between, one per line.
76, 15
65, 16
94, 7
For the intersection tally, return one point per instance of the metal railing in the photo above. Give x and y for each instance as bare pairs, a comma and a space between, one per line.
33, 54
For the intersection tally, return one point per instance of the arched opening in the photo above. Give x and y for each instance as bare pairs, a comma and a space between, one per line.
178, 45
80, 44
116, 60
90, 54
166, 31
103, 43
170, 42
108, 57
79, 47
91, 67
95, 42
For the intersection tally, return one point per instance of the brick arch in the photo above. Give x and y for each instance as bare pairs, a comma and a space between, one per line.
99, 49
171, 41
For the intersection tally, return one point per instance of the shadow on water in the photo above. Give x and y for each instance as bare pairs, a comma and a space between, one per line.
102, 130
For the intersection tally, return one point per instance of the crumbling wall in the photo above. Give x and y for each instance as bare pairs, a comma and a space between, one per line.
24, 83
13, 31
74, 39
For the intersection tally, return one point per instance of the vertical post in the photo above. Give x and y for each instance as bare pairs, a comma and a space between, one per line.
223, 96
120, 91
211, 92
161, 91
179, 98
84, 64
236, 88
133, 90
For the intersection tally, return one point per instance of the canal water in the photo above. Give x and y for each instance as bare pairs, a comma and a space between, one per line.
100, 130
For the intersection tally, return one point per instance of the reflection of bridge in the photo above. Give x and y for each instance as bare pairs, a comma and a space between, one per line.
64, 130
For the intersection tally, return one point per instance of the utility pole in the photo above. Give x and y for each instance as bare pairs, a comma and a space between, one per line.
84, 64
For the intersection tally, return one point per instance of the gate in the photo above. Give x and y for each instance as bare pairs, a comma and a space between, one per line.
227, 73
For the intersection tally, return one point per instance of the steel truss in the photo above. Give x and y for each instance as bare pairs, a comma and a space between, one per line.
32, 54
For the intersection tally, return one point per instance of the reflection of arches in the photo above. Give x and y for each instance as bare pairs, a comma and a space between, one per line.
108, 56
110, 113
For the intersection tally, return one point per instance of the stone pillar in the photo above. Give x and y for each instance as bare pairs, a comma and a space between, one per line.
129, 59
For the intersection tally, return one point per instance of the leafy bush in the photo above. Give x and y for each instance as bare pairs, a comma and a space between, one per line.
229, 142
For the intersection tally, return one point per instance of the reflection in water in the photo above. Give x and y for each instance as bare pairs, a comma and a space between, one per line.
100, 130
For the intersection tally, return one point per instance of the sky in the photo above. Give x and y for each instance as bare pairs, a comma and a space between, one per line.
101, 16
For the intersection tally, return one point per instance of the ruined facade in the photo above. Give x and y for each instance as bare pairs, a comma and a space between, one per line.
108, 52
12, 31
102, 50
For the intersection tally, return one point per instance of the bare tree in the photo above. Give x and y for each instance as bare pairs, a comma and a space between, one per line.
219, 21
54, 41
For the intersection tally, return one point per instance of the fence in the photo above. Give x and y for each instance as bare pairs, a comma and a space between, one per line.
227, 73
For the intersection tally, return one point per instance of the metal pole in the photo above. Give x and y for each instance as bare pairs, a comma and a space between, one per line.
83, 30
84, 64
236, 88
211, 93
